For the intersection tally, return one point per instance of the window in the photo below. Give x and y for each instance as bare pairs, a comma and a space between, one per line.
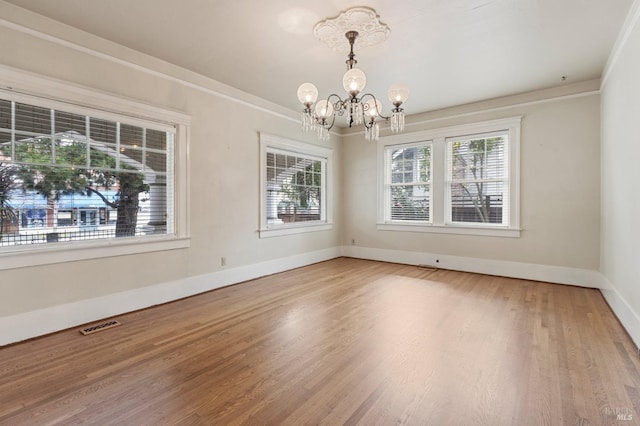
462, 179
293, 184
74, 175
407, 194
477, 185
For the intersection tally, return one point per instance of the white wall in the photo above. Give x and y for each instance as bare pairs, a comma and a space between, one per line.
560, 190
224, 185
620, 241
560, 186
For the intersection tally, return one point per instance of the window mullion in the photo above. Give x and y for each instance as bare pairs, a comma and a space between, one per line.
144, 149
384, 207
87, 127
13, 131
117, 145
438, 173
53, 137
323, 190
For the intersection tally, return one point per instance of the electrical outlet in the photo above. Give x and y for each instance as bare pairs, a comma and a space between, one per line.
353, 241
223, 261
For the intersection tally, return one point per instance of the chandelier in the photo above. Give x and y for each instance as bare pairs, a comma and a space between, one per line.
362, 26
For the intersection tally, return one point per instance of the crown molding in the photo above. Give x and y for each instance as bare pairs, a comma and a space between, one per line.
623, 36
521, 100
54, 32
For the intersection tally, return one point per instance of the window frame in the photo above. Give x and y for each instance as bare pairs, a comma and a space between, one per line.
450, 180
439, 203
270, 142
46, 92
388, 182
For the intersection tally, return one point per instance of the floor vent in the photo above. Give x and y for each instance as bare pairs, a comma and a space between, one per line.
428, 267
99, 327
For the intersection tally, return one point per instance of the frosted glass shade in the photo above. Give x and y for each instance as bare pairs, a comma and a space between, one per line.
307, 94
398, 93
354, 81
324, 109
373, 108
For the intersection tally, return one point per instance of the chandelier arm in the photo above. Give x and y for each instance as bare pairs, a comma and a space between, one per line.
375, 100
333, 120
338, 103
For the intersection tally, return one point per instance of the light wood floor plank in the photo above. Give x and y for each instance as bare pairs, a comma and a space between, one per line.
341, 342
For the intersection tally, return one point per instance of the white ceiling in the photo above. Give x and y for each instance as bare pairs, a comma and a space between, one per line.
449, 52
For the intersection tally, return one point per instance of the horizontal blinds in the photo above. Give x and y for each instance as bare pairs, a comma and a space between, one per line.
477, 179
408, 183
294, 187
35, 135
477, 159
81, 176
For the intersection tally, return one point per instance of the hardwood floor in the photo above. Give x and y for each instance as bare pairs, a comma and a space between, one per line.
340, 342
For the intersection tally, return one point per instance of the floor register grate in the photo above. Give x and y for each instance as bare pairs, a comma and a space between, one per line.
99, 327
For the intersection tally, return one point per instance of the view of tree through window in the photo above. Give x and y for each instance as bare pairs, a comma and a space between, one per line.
67, 177
477, 179
294, 188
460, 179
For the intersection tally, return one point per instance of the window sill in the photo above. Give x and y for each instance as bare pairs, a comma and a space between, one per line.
46, 254
451, 229
279, 230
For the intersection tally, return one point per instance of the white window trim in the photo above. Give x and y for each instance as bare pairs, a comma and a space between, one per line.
57, 94
437, 137
277, 142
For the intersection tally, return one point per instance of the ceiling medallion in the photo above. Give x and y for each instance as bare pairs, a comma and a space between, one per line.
365, 21
361, 27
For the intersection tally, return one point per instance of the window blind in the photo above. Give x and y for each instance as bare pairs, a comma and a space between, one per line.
77, 177
408, 183
477, 184
295, 184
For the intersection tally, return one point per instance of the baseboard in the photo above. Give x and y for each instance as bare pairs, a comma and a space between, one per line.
627, 316
529, 271
27, 325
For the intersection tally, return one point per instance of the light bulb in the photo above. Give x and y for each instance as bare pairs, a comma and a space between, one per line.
373, 108
307, 94
354, 81
324, 109
398, 93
